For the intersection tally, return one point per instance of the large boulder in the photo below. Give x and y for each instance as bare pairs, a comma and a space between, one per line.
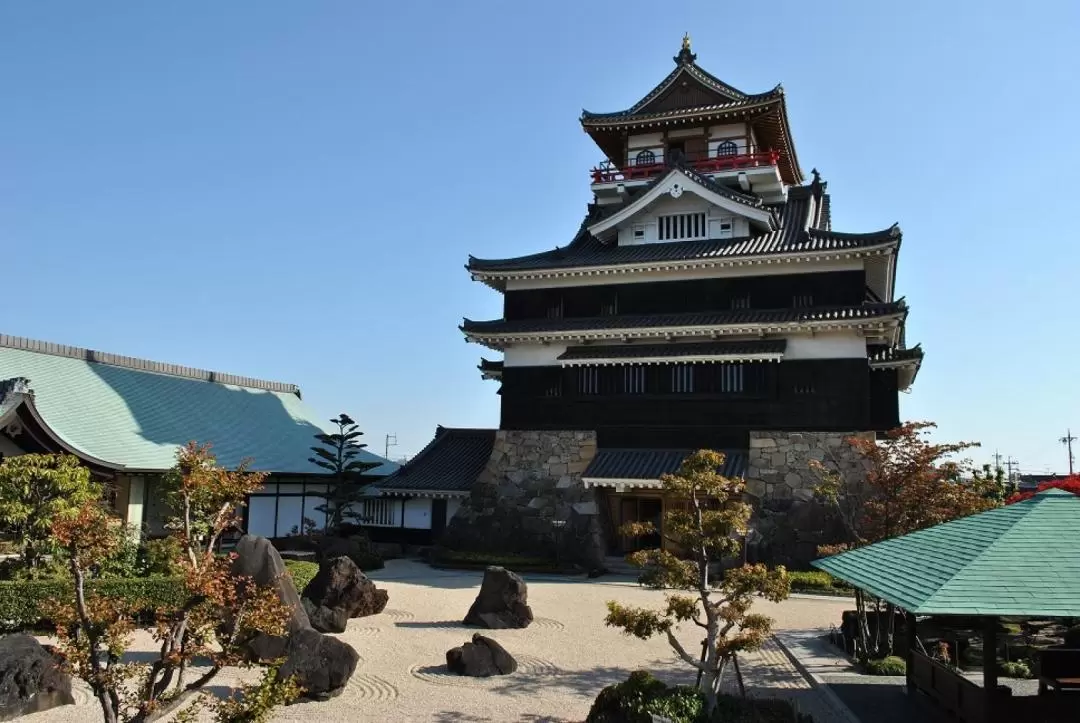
320, 664
256, 558
338, 592
30, 679
503, 601
481, 658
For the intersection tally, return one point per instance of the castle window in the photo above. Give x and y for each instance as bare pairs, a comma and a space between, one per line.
802, 301
633, 379
727, 148
555, 308
645, 158
740, 302
726, 227
682, 227
729, 378
639, 233
682, 378
588, 380
553, 385
610, 305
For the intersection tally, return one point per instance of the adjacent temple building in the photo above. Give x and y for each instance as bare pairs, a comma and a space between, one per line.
705, 302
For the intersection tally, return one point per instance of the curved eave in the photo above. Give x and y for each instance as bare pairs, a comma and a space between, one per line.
490, 369
496, 277
907, 363
631, 117
33, 424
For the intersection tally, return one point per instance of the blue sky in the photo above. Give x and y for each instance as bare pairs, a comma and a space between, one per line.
290, 190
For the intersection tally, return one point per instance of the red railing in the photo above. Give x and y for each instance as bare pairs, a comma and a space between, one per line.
608, 172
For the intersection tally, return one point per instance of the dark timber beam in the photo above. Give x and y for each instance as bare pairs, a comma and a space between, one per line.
912, 641
990, 671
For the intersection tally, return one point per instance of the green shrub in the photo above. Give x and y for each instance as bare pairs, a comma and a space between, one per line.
160, 555
507, 560
891, 665
817, 581
301, 572
22, 601
734, 709
641, 696
1014, 669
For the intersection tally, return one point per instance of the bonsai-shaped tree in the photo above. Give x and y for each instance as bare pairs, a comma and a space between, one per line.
212, 614
706, 529
338, 453
35, 491
906, 483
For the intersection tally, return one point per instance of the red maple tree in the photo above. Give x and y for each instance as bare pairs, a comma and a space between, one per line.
1069, 484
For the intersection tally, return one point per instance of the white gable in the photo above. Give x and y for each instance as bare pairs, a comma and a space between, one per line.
678, 208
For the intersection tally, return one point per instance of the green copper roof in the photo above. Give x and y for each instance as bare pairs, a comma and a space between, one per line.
1021, 560
136, 413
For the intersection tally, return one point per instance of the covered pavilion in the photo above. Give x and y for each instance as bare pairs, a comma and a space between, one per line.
1018, 561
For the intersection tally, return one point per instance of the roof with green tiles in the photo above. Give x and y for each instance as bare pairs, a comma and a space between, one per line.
134, 413
1019, 560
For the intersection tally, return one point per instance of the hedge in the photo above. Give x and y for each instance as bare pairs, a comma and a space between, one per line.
891, 665
818, 582
462, 559
21, 601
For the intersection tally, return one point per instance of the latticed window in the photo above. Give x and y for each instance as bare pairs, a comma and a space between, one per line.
740, 302
555, 308
553, 385
682, 378
633, 379
588, 380
610, 305
682, 227
802, 301
645, 158
730, 378
727, 148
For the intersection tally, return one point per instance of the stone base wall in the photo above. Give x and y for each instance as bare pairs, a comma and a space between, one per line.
790, 521
532, 479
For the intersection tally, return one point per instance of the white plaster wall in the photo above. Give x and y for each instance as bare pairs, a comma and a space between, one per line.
687, 203
8, 448
452, 506
645, 140
133, 515
532, 355
686, 133
645, 277
832, 345
418, 514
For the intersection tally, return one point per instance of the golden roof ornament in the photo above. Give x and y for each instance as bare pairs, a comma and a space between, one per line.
685, 56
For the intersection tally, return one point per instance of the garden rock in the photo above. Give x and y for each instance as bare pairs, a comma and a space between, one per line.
320, 664
30, 679
256, 558
343, 592
481, 658
502, 602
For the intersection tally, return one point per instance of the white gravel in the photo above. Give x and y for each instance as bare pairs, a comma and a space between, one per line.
564, 658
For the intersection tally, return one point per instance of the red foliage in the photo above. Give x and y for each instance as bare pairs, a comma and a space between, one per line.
1069, 484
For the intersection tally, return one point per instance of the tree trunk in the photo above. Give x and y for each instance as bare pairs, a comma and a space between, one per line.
862, 650
890, 630
877, 627
738, 675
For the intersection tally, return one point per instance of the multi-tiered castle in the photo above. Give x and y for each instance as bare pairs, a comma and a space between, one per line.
706, 301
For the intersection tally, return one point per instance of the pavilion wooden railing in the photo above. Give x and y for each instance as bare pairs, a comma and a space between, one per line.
608, 172
952, 692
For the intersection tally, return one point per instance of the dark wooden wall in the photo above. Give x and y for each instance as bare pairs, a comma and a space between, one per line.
808, 395
763, 292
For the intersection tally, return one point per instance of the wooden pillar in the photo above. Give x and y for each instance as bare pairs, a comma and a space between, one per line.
990, 672
909, 658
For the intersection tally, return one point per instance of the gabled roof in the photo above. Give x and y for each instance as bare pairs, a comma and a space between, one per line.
803, 232
450, 463
1019, 560
133, 414
759, 349
682, 178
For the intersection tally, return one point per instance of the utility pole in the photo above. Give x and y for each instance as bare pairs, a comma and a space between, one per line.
391, 441
1067, 440
1010, 464
997, 461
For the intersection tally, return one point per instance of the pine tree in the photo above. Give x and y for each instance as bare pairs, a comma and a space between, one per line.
338, 453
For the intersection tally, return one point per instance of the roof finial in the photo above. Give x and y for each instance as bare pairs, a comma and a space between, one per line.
685, 56
816, 175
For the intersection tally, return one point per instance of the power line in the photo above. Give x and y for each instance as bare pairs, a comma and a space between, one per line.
1067, 440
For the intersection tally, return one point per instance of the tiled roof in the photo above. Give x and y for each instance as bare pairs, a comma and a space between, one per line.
652, 351
896, 355
650, 464
135, 413
1019, 560
451, 462
630, 115
715, 318
490, 367
791, 237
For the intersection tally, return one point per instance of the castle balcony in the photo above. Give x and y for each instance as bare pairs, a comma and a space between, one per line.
757, 172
